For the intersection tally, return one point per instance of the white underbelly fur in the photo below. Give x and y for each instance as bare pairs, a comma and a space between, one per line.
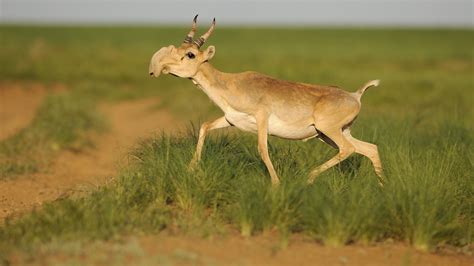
276, 127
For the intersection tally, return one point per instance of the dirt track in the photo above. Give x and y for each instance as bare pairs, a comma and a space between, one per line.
75, 170
234, 250
265, 250
18, 106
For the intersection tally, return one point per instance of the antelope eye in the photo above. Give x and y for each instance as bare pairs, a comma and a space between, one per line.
190, 55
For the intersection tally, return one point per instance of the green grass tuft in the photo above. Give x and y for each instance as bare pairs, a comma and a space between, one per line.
423, 203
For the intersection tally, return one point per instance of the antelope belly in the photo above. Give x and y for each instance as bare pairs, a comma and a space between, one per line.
290, 130
242, 121
276, 126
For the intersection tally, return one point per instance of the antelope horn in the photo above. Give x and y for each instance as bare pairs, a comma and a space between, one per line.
189, 37
199, 42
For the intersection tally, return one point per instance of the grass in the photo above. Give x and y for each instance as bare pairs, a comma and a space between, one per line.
424, 204
420, 116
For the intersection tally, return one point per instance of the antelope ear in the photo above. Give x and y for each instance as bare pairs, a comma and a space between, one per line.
210, 52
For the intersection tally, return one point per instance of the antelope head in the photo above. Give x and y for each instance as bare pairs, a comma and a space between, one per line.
183, 61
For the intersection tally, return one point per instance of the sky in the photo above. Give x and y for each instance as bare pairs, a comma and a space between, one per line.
429, 13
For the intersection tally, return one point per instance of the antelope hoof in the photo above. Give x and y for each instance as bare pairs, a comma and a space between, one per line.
381, 181
193, 165
381, 178
311, 178
275, 183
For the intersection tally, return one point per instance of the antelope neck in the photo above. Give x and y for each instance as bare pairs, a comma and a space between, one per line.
209, 78
213, 83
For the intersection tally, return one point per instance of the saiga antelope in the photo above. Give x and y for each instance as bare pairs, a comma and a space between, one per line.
258, 103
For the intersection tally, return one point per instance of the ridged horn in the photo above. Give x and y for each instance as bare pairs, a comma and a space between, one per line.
199, 42
189, 37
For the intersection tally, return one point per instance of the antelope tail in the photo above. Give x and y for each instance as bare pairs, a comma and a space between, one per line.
369, 84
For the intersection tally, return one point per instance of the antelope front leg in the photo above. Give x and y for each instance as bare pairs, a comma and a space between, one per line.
205, 127
262, 128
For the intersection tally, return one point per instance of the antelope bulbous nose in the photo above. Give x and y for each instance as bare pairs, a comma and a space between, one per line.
151, 73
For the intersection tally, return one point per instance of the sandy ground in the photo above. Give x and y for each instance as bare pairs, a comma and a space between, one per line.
77, 170
265, 250
86, 169
18, 104
232, 250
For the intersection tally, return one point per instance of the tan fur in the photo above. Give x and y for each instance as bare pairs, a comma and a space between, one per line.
258, 103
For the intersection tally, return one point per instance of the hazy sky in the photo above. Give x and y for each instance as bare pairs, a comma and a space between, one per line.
282, 12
